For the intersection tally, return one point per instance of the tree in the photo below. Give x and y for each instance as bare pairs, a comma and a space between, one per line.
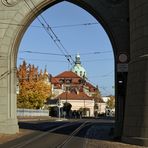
111, 102
83, 111
33, 89
97, 96
67, 107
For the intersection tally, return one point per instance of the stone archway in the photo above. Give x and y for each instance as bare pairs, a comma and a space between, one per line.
15, 17
17, 12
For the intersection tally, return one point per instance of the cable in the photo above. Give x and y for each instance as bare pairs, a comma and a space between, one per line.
49, 30
108, 92
46, 53
65, 61
102, 76
75, 25
42, 60
67, 55
97, 60
87, 53
60, 26
95, 52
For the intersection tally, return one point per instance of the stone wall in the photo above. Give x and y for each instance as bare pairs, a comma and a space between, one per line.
16, 16
136, 111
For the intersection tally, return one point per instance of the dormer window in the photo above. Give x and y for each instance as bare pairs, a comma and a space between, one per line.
61, 81
68, 81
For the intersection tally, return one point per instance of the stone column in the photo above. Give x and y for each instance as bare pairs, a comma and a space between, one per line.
136, 111
8, 120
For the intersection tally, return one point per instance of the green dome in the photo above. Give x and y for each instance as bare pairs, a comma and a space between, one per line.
78, 68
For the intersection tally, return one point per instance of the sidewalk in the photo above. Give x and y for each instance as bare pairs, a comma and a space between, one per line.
90, 143
6, 137
100, 137
34, 118
108, 144
22, 132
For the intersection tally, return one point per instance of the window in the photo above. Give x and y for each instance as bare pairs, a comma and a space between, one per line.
80, 73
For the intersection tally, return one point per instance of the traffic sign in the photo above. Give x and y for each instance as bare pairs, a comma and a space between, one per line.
122, 67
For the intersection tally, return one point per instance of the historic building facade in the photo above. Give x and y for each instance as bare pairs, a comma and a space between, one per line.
73, 87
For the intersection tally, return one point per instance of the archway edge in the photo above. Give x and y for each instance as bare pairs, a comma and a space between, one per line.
10, 40
43, 5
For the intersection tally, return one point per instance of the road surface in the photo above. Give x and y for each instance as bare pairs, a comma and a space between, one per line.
61, 134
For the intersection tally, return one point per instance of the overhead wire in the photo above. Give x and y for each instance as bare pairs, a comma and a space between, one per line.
53, 36
105, 75
106, 91
46, 53
40, 60
59, 26
49, 53
55, 40
56, 54
56, 37
94, 60
63, 61
76, 25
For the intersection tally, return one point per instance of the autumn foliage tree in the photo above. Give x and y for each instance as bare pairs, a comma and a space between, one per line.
34, 88
111, 102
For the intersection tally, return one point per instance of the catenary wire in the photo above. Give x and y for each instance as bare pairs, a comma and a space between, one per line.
67, 55
53, 36
58, 26
49, 53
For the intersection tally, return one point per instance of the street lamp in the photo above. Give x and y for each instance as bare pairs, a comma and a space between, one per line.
59, 104
84, 107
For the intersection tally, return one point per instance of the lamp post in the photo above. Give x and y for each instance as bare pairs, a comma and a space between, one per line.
84, 107
82, 83
59, 106
66, 94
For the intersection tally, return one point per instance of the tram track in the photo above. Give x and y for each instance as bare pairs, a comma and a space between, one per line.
72, 135
68, 129
26, 141
60, 134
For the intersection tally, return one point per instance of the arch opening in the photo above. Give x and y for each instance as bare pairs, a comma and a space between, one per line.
78, 47
31, 15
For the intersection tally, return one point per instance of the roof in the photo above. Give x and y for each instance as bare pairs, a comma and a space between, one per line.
73, 78
53, 80
74, 96
67, 74
90, 85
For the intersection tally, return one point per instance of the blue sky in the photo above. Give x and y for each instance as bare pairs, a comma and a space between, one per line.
90, 41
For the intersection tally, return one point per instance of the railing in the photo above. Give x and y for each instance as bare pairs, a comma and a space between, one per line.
32, 112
